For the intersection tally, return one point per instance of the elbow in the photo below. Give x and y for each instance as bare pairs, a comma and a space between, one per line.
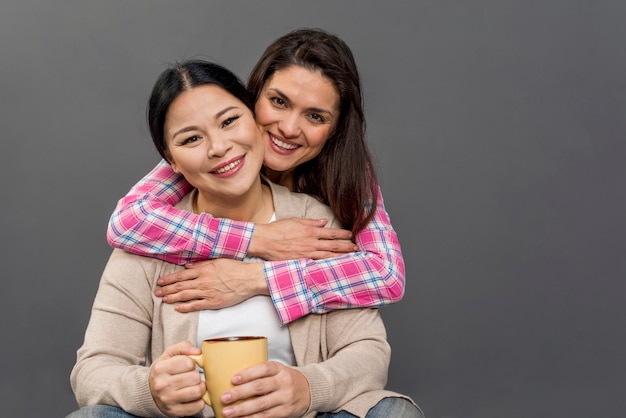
111, 237
114, 239
395, 285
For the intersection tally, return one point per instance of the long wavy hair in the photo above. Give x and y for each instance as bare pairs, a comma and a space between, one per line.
342, 175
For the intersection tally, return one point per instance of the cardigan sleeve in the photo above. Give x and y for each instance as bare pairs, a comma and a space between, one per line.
112, 364
145, 222
355, 357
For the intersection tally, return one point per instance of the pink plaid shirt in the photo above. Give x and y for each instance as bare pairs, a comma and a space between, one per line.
145, 222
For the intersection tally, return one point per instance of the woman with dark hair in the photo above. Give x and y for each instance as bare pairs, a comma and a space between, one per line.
308, 100
134, 359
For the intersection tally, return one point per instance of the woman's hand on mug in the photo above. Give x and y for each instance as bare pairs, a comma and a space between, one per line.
212, 284
293, 238
175, 383
272, 388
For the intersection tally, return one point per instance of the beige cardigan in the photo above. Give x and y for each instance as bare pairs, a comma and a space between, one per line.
344, 354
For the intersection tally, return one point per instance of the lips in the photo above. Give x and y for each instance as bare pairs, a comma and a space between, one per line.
283, 145
229, 166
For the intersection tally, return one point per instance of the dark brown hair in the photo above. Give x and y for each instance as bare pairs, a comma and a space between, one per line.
342, 175
183, 76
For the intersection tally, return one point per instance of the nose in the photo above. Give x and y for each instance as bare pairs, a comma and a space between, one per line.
289, 125
218, 146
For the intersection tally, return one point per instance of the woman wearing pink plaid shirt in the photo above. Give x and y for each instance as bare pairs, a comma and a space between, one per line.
308, 100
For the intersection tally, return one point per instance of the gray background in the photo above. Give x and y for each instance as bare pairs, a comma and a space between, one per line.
498, 128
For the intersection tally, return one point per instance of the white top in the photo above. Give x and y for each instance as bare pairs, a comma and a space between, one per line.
256, 316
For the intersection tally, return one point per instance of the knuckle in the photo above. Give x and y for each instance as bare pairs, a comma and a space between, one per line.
158, 367
198, 391
258, 387
262, 404
158, 385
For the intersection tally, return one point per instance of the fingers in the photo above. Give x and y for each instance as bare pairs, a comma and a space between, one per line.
177, 277
333, 233
183, 348
174, 382
312, 222
269, 368
177, 283
255, 387
177, 394
336, 246
198, 264
324, 233
173, 294
268, 389
194, 305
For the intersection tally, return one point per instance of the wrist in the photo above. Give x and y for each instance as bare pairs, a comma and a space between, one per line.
258, 282
255, 249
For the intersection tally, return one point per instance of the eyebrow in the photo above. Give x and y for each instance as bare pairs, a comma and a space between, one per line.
193, 127
313, 109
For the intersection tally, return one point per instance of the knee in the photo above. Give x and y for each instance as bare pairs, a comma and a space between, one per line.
98, 411
395, 407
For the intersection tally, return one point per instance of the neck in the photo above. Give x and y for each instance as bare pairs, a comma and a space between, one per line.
284, 178
254, 206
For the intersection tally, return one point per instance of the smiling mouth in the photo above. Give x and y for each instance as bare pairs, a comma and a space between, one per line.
282, 145
228, 167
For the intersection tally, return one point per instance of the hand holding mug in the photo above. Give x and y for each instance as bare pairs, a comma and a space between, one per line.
221, 359
273, 388
175, 383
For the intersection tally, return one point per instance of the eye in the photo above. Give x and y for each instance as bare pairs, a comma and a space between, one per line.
230, 120
317, 117
190, 140
278, 101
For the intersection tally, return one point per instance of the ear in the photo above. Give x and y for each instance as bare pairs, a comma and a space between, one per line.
173, 164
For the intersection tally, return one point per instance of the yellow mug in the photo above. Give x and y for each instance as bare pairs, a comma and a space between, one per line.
221, 358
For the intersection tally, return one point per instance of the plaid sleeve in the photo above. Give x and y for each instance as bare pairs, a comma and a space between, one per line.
145, 222
374, 276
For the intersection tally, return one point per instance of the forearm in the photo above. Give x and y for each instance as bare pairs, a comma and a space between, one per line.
357, 361
117, 385
374, 276
110, 364
145, 222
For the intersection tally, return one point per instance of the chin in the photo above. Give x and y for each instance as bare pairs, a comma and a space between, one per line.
277, 164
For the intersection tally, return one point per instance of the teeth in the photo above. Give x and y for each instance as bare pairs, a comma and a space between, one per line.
228, 167
282, 144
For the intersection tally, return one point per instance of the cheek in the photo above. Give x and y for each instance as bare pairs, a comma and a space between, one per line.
319, 137
263, 114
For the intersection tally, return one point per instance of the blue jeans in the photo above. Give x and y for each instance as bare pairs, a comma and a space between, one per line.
387, 407
100, 411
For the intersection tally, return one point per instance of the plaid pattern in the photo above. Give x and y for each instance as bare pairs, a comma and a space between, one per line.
375, 276
145, 222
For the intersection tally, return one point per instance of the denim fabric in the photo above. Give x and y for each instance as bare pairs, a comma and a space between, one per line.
388, 407
100, 411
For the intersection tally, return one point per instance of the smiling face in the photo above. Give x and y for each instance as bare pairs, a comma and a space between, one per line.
298, 110
213, 140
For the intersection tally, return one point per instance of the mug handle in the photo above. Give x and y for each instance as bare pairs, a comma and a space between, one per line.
198, 359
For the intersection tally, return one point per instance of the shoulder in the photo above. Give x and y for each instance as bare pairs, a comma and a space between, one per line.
288, 204
128, 269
